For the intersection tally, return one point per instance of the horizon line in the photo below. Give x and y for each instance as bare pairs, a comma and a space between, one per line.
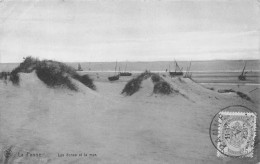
142, 61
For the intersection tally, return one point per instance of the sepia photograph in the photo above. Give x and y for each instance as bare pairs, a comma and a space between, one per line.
129, 81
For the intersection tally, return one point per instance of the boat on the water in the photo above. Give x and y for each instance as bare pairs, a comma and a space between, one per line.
188, 74
79, 68
125, 73
242, 76
177, 72
115, 77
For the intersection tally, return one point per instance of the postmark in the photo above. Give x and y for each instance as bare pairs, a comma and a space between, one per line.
232, 132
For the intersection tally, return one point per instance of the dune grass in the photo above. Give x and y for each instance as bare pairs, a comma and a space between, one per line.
244, 96
3, 75
160, 85
52, 73
135, 84
26, 66
53, 78
86, 80
14, 78
156, 78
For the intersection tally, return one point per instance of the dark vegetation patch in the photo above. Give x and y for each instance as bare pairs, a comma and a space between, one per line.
14, 78
4, 75
135, 84
52, 73
86, 80
132, 86
244, 96
28, 65
156, 78
240, 94
53, 78
160, 85
211, 88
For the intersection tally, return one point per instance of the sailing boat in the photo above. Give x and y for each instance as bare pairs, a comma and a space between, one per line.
125, 73
177, 72
79, 68
115, 77
242, 77
188, 73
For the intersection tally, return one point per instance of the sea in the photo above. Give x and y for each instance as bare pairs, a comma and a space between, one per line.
213, 71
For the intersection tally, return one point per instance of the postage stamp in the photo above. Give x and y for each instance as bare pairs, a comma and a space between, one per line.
236, 133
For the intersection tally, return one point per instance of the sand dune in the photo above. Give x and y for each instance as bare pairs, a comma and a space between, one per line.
142, 128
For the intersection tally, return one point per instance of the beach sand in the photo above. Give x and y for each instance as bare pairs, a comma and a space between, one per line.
109, 127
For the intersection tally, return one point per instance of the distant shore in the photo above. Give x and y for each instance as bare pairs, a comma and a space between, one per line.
161, 66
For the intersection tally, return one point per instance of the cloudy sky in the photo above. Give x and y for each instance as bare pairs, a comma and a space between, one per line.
136, 30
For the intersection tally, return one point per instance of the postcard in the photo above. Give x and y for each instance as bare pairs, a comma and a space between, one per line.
129, 81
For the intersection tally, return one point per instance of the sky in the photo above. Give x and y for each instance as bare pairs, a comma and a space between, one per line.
136, 30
